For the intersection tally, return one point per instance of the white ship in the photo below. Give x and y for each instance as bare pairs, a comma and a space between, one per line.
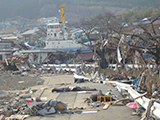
60, 39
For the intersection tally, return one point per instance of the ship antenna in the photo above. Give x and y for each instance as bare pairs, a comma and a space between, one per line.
62, 13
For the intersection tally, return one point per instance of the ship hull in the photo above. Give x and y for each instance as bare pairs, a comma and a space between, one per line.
67, 46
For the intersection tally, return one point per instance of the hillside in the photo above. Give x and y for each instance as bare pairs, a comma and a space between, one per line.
75, 9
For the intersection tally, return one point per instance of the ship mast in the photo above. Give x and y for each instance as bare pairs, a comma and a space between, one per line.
62, 13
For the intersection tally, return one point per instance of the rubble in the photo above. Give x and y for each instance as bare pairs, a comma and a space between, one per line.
23, 105
140, 84
14, 63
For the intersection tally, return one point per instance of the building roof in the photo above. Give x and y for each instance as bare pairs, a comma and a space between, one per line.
157, 21
7, 50
30, 32
10, 38
133, 27
41, 51
47, 20
5, 41
84, 56
6, 35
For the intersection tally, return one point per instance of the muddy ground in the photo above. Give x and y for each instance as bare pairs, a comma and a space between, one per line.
19, 82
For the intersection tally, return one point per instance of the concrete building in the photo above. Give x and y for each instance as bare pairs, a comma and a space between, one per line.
39, 56
5, 49
32, 35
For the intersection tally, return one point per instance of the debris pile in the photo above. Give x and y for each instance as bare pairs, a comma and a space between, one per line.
21, 105
132, 89
20, 63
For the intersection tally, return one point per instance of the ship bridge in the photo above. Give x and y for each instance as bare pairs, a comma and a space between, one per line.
56, 31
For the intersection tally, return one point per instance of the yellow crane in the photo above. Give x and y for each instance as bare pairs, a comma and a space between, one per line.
62, 12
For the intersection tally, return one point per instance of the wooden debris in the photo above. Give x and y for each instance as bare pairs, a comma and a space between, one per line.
6, 62
140, 96
135, 113
59, 106
106, 106
2, 117
17, 117
17, 62
38, 99
118, 104
87, 99
121, 100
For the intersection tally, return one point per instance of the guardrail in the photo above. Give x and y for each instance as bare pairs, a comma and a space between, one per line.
135, 65
69, 65
94, 65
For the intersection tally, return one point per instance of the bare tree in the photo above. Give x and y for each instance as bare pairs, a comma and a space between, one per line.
101, 27
145, 38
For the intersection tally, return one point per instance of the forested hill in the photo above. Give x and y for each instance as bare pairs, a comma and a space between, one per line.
75, 9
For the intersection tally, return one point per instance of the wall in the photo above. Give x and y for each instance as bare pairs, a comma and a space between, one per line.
5, 55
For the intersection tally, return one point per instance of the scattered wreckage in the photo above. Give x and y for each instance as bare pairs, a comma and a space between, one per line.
136, 93
19, 64
133, 90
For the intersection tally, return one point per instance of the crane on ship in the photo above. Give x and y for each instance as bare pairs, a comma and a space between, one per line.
62, 13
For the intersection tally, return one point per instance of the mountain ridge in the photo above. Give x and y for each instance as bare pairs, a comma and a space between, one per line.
75, 9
